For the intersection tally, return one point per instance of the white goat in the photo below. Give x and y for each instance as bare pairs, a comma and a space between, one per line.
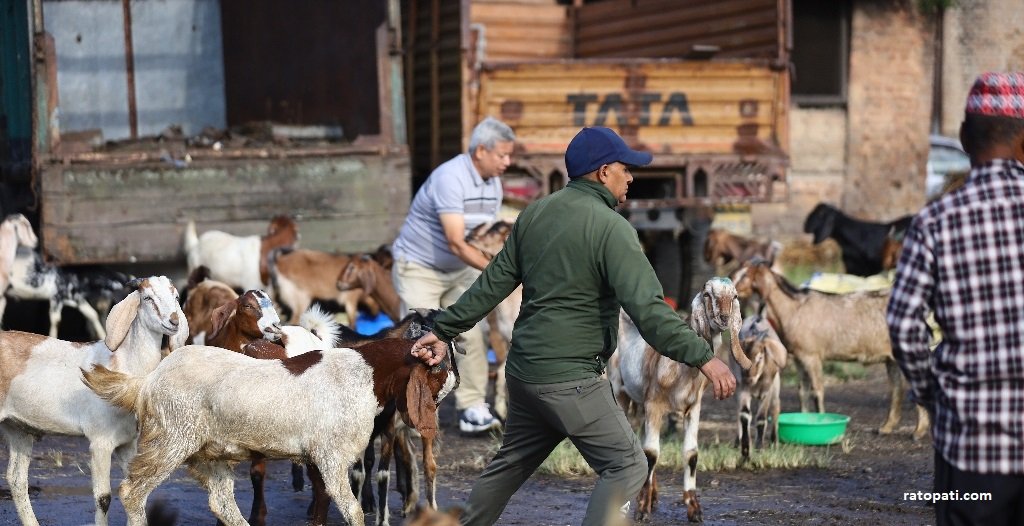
659, 385
15, 231
41, 392
239, 261
761, 384
209, 408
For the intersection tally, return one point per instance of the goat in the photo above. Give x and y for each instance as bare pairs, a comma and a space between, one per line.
240, 262
301, 276
203, 296
249, 317
30, 278
395, 438
659, 385
490, 238
761, 384
723, 247
817, 326
15, 231
41, 392
236, 326
233, 411
861, 242
367, 274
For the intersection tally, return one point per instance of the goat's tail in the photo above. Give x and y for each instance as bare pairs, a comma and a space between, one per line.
191, 245
121, 390
322, 324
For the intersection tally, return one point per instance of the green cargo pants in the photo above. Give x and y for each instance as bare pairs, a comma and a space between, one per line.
540, 416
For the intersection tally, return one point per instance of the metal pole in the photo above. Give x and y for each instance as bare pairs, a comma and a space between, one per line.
129, 67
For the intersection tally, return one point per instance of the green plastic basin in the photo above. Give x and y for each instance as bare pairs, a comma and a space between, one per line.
812, 429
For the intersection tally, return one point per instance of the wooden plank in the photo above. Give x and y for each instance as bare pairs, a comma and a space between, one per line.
676, 107
667, 29
117, 214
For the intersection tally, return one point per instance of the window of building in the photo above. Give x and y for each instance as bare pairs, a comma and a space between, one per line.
821, 51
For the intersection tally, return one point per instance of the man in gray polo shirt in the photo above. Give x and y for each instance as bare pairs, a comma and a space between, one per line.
433, 263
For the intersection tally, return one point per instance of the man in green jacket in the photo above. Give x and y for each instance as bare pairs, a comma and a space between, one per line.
578, 261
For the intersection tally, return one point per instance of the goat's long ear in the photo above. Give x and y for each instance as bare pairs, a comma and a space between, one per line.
419, 402
178, 338
220, 316
776, 352
735, 322
120, 320
368, 276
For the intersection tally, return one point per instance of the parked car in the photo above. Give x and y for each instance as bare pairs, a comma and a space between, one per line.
947, 161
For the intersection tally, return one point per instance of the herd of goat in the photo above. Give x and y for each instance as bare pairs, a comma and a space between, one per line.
200, 400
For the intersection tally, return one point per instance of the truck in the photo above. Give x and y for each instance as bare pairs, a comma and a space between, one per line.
122, 121
704, 86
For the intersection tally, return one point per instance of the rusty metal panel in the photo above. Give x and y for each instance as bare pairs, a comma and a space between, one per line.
310, 62
108, 212
670, 28
434, 89
716, 128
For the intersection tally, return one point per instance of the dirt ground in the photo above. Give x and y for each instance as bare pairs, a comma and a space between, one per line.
864, 485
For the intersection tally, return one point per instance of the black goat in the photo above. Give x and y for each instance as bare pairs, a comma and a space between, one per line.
861, 241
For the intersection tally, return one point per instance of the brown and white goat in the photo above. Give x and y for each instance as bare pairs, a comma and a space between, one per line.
302, 276
41, 392
817, 326
723, 247
239, 261
395, 437
761, 384
203, 296
15, 231
658, 385
490, 238
365, 273
233, 411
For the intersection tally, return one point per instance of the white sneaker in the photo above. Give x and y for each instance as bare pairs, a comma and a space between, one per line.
477, 419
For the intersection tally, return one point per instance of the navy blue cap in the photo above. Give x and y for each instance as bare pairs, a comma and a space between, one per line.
595, 146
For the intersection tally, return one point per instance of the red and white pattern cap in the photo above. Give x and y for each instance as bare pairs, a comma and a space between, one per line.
998, 95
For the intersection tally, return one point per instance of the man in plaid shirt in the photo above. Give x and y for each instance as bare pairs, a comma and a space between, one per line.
963, 258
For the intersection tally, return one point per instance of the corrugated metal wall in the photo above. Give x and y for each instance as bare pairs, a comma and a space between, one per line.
670, 28
434, 89
308, 62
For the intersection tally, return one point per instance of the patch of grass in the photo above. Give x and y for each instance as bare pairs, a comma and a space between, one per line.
56, 457
565, 460
845, 371
834, 371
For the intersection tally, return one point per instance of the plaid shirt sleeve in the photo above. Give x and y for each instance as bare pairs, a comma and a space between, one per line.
908, 309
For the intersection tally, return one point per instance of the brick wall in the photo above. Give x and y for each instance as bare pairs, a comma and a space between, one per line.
889, 109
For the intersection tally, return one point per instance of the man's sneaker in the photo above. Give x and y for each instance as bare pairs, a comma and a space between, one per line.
477, 419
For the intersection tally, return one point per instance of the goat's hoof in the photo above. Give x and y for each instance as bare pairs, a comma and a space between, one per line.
694, 513
885, 430
642, 516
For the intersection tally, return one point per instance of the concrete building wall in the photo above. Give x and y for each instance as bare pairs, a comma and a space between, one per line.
816, 172
179, 70
978, 36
